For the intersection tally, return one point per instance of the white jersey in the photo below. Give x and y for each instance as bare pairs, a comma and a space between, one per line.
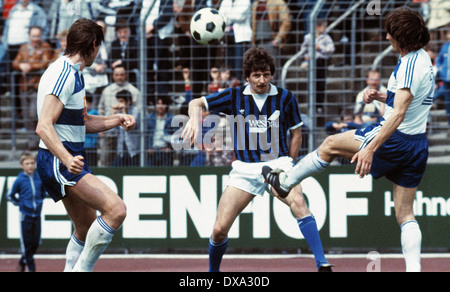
415, 72
64, 80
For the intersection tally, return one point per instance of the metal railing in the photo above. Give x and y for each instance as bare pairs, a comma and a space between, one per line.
353, 17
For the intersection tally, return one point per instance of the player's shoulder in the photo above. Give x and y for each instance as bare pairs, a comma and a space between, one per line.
415, 65
284, 93
60, 68
59, 75
416, 60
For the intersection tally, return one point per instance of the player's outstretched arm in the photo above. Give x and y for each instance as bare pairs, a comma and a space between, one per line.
96, 124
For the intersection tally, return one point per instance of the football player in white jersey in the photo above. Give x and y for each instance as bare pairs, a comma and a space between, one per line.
63, 123
397, 148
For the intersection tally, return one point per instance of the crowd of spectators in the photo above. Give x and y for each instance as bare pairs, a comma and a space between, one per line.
33, 35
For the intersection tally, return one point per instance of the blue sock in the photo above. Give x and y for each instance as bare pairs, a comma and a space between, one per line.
216, 252
308, 228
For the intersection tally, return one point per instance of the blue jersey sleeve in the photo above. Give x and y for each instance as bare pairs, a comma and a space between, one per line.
221, 102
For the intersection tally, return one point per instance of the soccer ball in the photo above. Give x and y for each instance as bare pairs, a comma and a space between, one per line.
208, 26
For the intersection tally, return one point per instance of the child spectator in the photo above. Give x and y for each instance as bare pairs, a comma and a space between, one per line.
31, 193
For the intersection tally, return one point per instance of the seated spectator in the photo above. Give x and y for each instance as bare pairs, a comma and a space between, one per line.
105, 105
347, 123
22, 16
31, 59
128, 142
124, 50
160, 132
127, 11
372, 112
228, 79
214, 86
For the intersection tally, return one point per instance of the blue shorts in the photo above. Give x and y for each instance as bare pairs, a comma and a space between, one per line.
55, 175
402, 158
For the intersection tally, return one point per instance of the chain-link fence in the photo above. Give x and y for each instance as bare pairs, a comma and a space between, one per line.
150, 54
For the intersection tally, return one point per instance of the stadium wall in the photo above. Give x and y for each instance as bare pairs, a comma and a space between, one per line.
175, 208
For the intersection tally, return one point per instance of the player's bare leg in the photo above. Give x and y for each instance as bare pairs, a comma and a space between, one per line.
411, 236
296, 201
232, 202
308, 226
82, 217
339, 145
88, 195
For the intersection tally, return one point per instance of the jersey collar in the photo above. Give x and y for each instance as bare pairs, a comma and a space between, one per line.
273, 90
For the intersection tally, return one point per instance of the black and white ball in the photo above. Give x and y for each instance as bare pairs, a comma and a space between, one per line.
208, 26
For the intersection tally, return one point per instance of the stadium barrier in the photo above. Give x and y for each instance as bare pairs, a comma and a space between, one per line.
175, 208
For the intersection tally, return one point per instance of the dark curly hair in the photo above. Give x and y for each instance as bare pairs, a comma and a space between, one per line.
408, 28
257, 59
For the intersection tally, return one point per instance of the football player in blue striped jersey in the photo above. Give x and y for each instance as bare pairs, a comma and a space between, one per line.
260, 115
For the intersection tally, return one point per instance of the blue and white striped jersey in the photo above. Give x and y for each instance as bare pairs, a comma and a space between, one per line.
64, 80
259, 129
415, 72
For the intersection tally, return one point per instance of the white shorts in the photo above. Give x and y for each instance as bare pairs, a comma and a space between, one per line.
248, 177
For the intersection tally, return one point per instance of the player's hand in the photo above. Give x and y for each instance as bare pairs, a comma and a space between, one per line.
364, 160
127, 122
76, 165
370, 95
190, 132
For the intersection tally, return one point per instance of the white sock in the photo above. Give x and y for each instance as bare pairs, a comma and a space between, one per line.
411, 245
97, 240
73, 251
308, 166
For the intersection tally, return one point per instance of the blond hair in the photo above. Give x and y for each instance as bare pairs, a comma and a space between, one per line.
27, 155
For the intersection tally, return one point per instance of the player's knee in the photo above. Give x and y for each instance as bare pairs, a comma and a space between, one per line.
328, 145
219, 233
404, 213
119, 212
